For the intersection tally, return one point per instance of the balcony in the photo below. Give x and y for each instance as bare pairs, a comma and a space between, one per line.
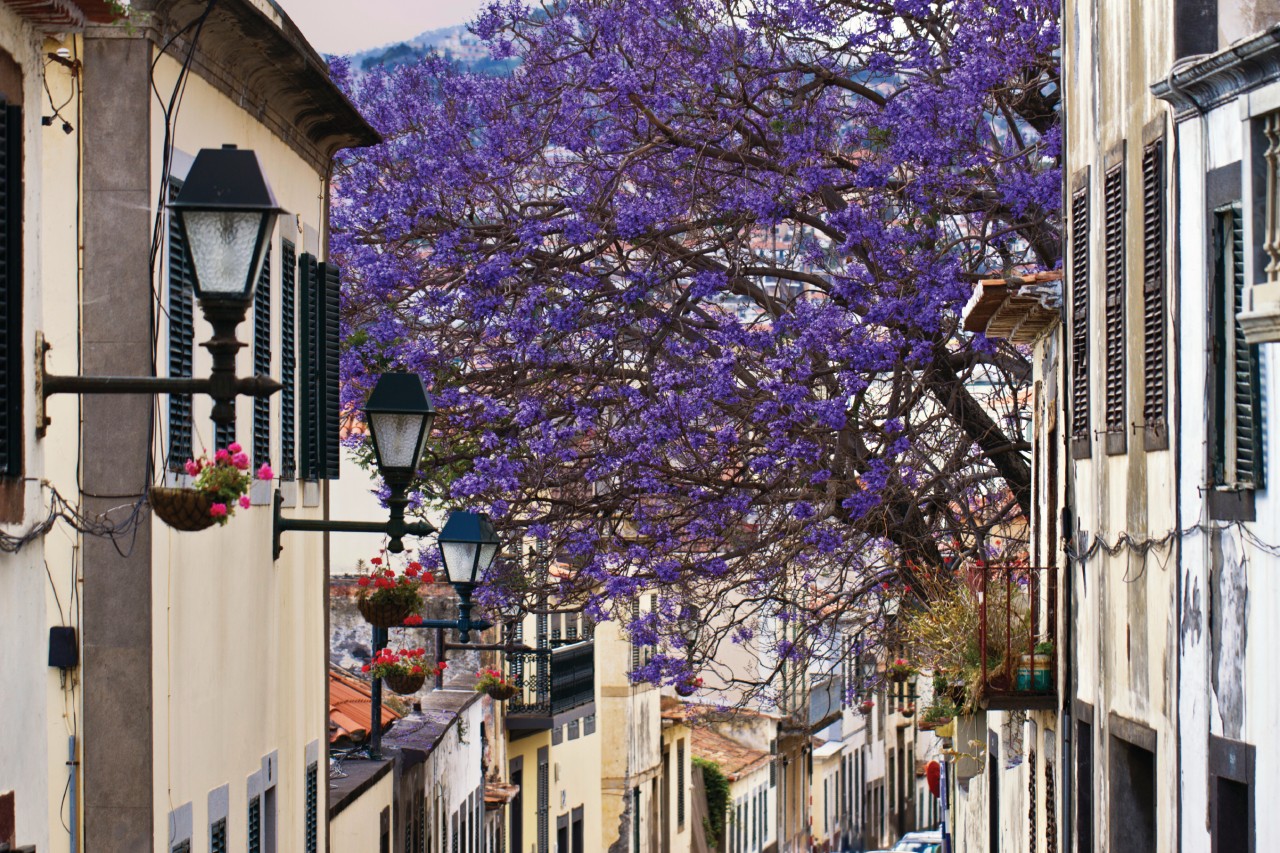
1017, 618
555, 685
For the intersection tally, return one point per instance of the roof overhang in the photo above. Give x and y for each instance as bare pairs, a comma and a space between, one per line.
1018, 309
61, 15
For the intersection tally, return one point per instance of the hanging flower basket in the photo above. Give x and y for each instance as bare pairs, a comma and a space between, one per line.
900, 671
405, 684
688, 686
492, 684
220, 485
182, 509
387, 596
502, 692
383, 614
865, 707
404, 671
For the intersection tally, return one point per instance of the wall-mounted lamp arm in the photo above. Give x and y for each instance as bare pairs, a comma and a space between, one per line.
395, 527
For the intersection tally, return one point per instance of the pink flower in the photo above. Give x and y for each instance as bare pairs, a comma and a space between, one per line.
244, 501
234, 447
218, 510
241, 461
222, 456
193, 467
265, 472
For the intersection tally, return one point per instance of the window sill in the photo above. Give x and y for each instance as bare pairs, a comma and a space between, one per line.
1155, 437
1081, 447
1231, 504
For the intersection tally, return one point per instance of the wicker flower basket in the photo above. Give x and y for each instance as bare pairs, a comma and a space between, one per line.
384, 615
406, 684
181, 509
686, 689
501, 692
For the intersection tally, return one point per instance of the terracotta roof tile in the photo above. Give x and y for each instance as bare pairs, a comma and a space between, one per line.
735, 760
351, 708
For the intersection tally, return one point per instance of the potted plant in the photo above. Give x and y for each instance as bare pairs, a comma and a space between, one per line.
938, 714
1035, 668
492, 683
900, 670
688, 685
219, 486
865, 707
405, 670
386, 597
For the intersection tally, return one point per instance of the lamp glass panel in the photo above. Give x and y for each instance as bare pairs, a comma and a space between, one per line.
398, 437
224, 249
487, 553
459, 557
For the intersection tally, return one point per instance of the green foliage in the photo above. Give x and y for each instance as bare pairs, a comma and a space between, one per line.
717, 788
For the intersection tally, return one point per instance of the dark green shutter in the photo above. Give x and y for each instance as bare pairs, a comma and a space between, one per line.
262, 363
218, 836
680, 783
1245, 391
1080, 314
310, 827
331, 404
11, 291
1154, 352
288, 362
308, 271
181, 339
1114, 249
255, 824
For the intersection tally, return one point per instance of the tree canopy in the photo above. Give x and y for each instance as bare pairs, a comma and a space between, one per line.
686, 289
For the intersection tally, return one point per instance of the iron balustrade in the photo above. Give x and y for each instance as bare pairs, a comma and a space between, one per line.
552, 681
1017, 613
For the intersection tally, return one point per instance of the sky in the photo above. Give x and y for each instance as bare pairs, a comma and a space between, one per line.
347, 26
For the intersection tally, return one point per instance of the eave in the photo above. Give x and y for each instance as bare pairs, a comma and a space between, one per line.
1018, 309
61, 15
1223, 76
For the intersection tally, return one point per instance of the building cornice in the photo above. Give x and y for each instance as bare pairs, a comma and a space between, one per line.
266, 67
1223, 76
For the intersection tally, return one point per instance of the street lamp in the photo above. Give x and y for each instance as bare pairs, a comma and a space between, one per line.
468, 544
226, 212
399, 414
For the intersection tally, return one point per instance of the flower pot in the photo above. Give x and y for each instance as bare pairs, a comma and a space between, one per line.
501, 692
405, 684
384, 615
1042, 672
685, 690
181, 509
898, 677
865, 708
930, 725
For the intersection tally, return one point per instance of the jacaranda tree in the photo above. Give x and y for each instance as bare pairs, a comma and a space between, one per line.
686, 288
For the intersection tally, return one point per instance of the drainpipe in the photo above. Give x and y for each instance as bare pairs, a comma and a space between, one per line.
72, 784
1067, 526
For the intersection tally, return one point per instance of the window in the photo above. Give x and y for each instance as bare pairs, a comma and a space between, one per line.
1113, 247
680, 784
1231, 806
1154, 351
1236, 438
544, 800
635, 820
1131, 781
1080, 319
309, 827
288, 362
11, 345
262, 362
181, 338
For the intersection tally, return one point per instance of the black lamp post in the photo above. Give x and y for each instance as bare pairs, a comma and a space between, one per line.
399, 414
227, 213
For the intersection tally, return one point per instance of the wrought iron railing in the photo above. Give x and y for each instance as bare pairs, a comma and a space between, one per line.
1017, 639
553, 680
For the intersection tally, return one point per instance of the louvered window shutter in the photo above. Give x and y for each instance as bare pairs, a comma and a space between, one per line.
312, 366
1244, 389
330, 405
255, 824
310, 827
1154, 351
288, 361
11, 290
218, 836
1114, 402
1080, 319
181, 339
262, 363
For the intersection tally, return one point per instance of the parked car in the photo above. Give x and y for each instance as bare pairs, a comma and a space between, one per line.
927, 841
